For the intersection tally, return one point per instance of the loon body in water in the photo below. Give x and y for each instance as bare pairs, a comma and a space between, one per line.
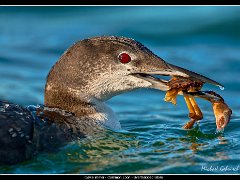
89, 73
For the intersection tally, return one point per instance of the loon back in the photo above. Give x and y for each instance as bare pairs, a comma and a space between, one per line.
16, 132
23, 135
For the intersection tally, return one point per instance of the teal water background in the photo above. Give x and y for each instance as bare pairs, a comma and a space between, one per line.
200, 38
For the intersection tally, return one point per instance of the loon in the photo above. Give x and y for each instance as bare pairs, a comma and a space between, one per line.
89, 73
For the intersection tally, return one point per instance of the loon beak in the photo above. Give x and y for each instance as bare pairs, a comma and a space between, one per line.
167, 69
191, 75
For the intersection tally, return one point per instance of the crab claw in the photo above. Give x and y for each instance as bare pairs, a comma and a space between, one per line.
221, 110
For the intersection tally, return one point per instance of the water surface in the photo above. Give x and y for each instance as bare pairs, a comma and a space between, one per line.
202, 39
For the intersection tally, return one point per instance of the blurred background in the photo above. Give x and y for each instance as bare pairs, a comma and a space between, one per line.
204, 39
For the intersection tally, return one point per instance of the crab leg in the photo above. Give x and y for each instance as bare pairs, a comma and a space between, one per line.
221, 110
197, 110
194, 112
190, 123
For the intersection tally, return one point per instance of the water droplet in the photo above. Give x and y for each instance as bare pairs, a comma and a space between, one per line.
221, 87
198, 122
220, 131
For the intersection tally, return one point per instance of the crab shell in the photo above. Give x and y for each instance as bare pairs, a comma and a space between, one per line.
183, 84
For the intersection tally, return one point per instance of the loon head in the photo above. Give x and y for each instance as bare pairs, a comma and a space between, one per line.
96, 69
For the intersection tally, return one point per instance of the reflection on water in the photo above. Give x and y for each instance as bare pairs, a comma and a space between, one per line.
202, 39
222, 140
134, 151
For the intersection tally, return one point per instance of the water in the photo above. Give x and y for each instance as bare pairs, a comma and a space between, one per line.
202, 39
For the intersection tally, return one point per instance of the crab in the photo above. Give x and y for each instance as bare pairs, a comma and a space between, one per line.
190, 89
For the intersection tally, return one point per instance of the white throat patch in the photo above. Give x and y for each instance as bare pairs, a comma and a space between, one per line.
105, 115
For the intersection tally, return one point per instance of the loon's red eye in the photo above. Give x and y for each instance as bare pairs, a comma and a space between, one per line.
124, 58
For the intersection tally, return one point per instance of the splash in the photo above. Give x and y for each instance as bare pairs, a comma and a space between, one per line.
220, 131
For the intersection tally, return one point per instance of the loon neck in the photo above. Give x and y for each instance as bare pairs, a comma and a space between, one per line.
57, 97
81, 106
